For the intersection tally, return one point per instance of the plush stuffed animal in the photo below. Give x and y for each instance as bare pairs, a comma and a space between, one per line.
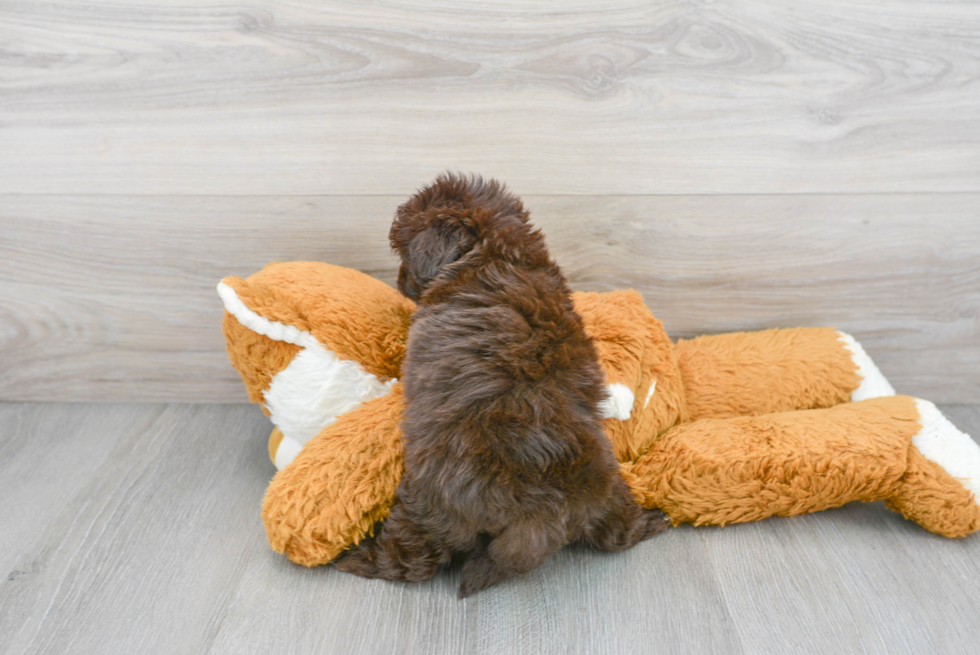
714, 430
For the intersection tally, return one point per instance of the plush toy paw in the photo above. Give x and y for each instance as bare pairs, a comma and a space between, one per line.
873, 383
941, 487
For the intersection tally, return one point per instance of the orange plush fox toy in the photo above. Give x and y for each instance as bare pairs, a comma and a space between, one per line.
714, 430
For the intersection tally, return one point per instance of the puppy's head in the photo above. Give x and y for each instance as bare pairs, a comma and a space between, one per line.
446, 221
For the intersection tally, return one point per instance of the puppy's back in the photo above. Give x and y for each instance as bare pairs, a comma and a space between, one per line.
502, 382
505, 456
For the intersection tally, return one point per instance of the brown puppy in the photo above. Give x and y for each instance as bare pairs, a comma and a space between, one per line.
505, 458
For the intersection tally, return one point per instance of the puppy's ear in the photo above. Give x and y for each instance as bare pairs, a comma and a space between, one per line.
431, 250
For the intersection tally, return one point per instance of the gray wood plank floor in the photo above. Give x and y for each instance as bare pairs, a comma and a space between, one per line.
135, 529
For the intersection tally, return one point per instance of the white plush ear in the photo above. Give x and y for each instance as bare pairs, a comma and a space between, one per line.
314, 389
273, 329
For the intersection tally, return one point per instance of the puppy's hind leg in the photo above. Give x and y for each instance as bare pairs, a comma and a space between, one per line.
624, 524
401, 551
521, 547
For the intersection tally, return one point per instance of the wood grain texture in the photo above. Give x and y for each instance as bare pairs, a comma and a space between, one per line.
142, 556
135, 529
47, 455
113, 297
624, 97
856, 576
580, 602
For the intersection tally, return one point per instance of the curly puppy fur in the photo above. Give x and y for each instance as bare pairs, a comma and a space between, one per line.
505, 457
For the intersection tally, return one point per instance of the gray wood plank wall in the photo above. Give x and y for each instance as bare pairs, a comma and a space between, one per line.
743, 164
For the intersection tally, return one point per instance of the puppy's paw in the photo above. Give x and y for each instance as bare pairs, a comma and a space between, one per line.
360, 559
477, 574
655, 521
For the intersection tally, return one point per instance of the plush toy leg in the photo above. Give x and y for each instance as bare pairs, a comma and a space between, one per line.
754, 373
719, 471
340, 484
